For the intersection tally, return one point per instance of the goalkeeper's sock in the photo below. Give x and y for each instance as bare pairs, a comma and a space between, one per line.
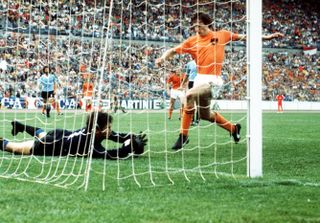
222, 122
188, 113
3, 144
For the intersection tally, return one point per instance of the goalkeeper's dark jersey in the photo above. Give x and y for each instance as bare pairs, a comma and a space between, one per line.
64, 142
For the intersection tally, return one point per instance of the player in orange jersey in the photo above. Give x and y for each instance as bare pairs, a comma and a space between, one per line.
280, 98
207, 48
56, 102
87, 90
176, 86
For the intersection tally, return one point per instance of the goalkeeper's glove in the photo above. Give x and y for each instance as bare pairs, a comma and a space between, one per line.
136, 143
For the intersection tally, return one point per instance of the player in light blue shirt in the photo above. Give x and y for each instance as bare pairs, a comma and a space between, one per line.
191, 71
46, 84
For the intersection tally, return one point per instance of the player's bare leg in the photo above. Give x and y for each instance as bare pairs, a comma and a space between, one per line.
88, 105
280, 109
206, 114
23, 148
172, 100
181, 110
187, 116
44, 106
48, 106
115, 108
57, 104
195, 118
202, 95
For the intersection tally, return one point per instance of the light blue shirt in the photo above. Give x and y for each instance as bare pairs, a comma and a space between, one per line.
46, 83
191, 70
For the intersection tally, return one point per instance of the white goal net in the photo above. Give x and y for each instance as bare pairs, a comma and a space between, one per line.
102, 55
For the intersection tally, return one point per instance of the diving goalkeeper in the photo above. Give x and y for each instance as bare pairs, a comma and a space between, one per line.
61, 142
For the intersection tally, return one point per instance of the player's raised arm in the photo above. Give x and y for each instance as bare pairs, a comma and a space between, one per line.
165, 56
264, 37
272, 36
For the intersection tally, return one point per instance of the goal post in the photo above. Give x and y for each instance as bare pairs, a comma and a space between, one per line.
254, 89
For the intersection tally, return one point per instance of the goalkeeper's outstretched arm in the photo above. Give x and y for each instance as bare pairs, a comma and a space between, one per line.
133, 145
119, 137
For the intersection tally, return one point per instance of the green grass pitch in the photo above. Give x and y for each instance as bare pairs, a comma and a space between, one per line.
288, 191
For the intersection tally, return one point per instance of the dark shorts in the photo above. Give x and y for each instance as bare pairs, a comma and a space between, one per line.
190, 84
47, 94
50, 145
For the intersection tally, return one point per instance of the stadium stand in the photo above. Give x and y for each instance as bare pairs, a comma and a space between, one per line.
23, 52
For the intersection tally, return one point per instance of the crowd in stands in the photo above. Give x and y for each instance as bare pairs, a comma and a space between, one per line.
159, 20
59, 34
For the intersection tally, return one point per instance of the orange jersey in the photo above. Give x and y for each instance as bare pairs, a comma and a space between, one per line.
280, 98
175, 80
83, 68
208, 50
87, 89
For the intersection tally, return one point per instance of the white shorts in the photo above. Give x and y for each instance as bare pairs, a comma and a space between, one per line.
215, 81
87, 97
208, 79
174, 93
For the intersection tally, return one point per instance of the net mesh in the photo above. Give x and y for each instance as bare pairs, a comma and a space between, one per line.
113, 45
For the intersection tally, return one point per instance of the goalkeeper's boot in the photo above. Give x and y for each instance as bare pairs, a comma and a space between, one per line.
16, 128
182, 140
236, 133
1, 144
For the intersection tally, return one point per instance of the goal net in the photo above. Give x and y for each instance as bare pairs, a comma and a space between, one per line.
103, 54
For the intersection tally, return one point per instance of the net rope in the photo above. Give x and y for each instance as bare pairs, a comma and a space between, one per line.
121, 65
